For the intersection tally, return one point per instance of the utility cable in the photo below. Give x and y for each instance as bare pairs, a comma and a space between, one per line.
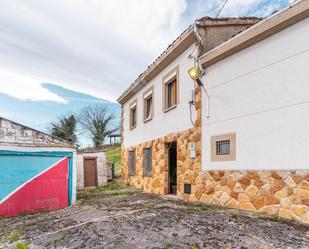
222, 7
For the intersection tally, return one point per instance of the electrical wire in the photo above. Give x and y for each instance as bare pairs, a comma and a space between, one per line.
190, 108
222, 7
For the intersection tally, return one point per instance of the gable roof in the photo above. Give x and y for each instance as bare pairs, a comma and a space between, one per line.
177, 47
281, 20
7, 128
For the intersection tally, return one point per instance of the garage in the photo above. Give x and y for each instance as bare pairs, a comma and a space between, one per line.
36, 171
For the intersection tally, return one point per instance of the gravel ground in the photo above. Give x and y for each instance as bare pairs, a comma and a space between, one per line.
131, 219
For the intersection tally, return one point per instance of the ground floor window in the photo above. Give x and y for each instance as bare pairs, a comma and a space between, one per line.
147, 161
131, 163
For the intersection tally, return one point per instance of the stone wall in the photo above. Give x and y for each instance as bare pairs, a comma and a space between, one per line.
281, 193
12, 133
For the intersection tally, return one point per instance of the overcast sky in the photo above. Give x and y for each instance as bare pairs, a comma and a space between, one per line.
97, 47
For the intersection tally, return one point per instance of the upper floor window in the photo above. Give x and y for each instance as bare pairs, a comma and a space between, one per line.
148, 104
133, 114
170, 89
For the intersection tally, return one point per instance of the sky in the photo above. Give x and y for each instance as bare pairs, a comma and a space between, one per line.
57, 56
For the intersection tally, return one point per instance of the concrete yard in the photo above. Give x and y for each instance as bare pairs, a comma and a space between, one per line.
120, 217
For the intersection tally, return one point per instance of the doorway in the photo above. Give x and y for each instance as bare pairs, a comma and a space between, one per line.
172, 168
90, 172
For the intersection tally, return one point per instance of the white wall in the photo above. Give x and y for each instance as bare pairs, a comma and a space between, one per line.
262, 94
162, 123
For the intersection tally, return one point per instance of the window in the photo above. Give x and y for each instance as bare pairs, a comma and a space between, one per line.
170, 89
133, 114
131, 163
170, 93
147, 161
223, 147
148, 104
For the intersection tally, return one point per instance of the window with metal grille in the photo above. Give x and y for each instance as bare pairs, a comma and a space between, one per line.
147, 161
131, 165
223, 147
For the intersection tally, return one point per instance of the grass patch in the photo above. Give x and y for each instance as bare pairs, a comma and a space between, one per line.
110, 189
22, 245
114, 156
14, 235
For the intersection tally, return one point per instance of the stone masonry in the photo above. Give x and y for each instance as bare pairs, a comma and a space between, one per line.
12, 133
277, 193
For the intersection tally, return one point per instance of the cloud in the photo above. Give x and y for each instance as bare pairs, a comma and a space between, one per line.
94, 46
24, 87
97, 47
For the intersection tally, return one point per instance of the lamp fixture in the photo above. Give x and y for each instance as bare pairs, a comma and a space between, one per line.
194, 73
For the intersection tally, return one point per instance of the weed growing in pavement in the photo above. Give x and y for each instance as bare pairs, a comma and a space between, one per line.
257, 215
276, 218
22, 245
149, 206
195, 246
114, 242
191, 207
205, 208
14, 235
168, 245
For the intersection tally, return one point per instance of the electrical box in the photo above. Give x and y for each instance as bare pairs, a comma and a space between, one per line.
192, 150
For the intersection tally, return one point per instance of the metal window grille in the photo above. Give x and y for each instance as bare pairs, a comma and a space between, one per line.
147, 160
131, 163
223, 147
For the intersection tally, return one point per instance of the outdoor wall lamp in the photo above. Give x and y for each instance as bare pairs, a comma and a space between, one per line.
195, 73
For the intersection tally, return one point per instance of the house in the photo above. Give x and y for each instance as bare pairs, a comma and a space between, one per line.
241, 139
37, 171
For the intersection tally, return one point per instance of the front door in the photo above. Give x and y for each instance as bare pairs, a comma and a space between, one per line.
90, 172
172, 168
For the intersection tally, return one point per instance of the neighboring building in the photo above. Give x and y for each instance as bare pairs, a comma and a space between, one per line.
91, 168
37, 171
244, 145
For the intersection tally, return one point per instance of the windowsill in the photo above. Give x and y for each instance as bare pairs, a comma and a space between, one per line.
147, 120
170, 108
132, 127
147, 175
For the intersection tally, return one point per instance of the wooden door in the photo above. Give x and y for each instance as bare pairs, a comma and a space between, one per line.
90, 172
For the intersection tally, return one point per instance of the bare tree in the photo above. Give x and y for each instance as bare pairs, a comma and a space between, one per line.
97, 121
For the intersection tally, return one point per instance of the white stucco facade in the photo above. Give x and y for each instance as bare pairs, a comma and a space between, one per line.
262, 94
162, 123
